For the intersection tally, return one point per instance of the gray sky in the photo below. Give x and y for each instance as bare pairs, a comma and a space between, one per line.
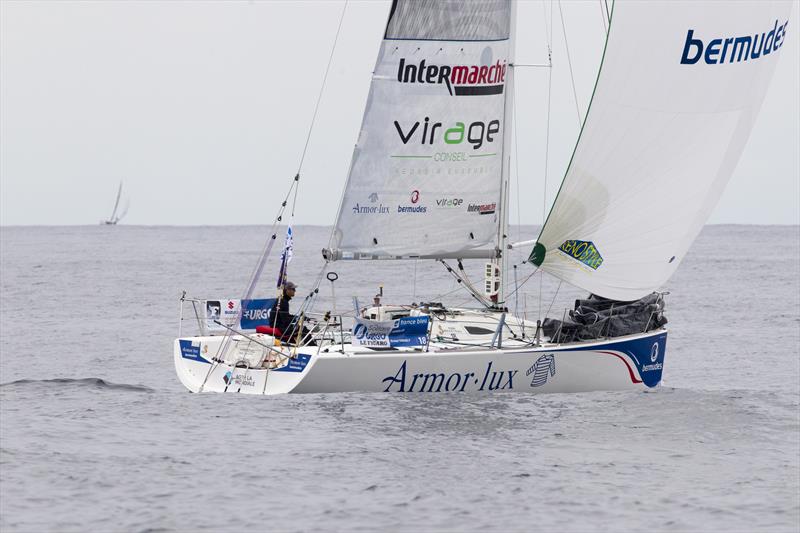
202, 109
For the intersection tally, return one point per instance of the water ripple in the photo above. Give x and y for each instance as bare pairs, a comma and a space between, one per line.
97, 383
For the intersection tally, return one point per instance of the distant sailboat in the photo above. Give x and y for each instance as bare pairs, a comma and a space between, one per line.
114, 218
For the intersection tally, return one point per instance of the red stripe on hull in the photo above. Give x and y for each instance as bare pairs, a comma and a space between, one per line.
630, 370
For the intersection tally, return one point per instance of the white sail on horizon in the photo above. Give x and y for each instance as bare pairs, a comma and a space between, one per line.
114, 218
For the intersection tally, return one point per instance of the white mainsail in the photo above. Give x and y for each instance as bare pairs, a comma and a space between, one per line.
426, 174
679, 88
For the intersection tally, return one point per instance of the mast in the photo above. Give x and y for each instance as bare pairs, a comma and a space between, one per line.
508, 108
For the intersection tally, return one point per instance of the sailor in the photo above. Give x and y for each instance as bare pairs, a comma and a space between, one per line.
282, 319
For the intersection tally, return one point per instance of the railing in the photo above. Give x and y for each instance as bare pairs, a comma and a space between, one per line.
326, 329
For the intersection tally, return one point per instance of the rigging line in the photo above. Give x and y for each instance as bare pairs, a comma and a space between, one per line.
554, 297
541, 288
318, 282
525, 281
321, 90
414, 290
546, 155
569, 62
515, 65
520, 322
603, 16
259, 268
322, 270
472, 288
608, 15
312, 297
465, 283
442, 295
256, 275
516, 169
302, 309
308, 304
544, 19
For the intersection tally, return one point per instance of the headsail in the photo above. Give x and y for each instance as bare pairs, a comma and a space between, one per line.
425, 178
679, 88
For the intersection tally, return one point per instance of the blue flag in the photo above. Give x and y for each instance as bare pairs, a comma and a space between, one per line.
286, 257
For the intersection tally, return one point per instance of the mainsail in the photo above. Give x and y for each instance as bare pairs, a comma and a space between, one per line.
680, 86
426, 174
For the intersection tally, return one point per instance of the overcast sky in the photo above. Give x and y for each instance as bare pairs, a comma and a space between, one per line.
202, 109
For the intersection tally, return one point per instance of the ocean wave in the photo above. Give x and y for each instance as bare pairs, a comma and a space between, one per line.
98, 383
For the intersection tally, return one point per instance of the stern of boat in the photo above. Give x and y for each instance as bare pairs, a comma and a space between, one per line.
248, 372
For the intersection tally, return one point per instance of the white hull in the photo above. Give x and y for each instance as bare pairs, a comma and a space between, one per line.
630, 362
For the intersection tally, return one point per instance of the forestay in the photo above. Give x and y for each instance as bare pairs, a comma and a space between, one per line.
679, 88
425, 177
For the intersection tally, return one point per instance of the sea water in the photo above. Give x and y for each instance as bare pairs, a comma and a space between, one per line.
97, 434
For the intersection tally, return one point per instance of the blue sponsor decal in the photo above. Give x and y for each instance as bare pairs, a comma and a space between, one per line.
256, 312
409, 331
400, 333
191, 351
298, 364
583, 251
732, 49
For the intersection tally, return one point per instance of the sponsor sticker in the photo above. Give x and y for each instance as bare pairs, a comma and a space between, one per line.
732, 48
256, 312
224, 311
449, 203
412, 209
403, 332
361, 209
191, 350
238, 379
297, 364
584, 252
460, 80
482, 209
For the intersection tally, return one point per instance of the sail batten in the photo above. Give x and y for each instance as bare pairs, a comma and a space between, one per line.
666, 124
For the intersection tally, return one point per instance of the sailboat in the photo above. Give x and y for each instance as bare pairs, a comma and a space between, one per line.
678, 90
114, 218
